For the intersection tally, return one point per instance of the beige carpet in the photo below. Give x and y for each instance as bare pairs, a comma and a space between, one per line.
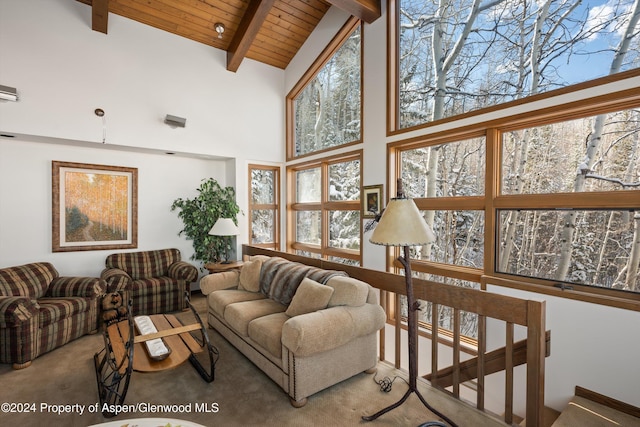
243, 395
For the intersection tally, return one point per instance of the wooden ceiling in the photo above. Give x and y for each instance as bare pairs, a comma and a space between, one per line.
268, 31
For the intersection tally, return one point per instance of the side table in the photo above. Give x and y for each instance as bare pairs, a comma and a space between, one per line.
218, 267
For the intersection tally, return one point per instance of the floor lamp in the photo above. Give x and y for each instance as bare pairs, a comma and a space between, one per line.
401, 224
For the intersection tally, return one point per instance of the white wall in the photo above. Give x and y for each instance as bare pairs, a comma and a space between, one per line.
137, 74
592, 346
26, 200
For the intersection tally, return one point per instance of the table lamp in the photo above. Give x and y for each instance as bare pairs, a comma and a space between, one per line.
225, 227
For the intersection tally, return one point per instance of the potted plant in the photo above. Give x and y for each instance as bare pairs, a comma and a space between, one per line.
200, 213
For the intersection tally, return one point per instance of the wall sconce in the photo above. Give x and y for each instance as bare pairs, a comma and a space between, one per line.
219, 27
8, 93
175, 121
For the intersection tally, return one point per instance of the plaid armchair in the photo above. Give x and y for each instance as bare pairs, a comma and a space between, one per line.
155, 280
40, 311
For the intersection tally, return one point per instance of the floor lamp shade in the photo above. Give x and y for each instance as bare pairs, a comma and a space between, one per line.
402, 224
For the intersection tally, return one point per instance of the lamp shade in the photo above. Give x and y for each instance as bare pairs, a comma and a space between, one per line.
224, 227
402, 224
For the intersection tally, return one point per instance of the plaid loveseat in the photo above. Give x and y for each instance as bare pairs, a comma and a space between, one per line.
40, 311
155, 280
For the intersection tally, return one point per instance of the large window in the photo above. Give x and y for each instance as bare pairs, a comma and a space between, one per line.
586, 238
548, 201
324, 110
453, 57
448, 173
264, 206
325, 215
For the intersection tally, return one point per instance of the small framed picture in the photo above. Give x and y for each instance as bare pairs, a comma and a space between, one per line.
372, 198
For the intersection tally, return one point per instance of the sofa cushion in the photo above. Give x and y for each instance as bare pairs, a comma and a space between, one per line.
154, 286
267, 332
261, 258
53, 310
348, 291
218, 300
310, 296
250, 276
240, 314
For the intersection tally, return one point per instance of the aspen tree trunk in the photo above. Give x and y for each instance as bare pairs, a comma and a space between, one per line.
512, 218
628, 177
317, 128
631, 282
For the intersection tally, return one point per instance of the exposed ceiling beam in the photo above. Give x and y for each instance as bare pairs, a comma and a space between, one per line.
99, 15
246, 33
366, 10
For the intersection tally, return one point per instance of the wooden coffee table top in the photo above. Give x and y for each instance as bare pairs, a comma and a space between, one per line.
175, 335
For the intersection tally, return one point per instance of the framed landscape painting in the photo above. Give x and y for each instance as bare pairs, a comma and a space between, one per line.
95, 207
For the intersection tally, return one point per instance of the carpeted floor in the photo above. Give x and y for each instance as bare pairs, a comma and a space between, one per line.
242, 394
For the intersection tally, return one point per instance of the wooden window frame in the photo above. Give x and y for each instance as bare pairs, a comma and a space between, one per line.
325, 206
343, 34
493, 200
275, 206
393, 71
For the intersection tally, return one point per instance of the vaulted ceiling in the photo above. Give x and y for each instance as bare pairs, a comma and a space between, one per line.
268, 31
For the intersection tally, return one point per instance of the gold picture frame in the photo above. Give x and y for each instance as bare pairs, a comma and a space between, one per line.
95, 207
372, 200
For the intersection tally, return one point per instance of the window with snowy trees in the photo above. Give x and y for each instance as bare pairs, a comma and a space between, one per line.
264, 206
324, 109
591, 234
548, 200
455, 57
325, 214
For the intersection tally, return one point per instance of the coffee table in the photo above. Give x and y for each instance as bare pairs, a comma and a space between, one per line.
175, 335
124, 352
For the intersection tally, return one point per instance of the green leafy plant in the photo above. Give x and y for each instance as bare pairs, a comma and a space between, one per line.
200, 213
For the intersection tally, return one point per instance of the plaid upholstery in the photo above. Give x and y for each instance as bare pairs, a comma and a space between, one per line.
29, 280
155, 280
53, 309
46, 311
64, 329
87, 287
181, 270
141, 265
158, 295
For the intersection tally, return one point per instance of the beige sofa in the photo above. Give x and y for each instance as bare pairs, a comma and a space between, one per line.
305, 335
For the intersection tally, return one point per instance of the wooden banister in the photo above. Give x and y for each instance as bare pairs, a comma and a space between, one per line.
495, 361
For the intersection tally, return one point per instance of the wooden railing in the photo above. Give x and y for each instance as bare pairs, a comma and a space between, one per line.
495, 361
513, 311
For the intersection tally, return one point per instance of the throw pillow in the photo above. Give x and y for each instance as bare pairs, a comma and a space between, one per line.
309, 297
348, 291
250, 276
